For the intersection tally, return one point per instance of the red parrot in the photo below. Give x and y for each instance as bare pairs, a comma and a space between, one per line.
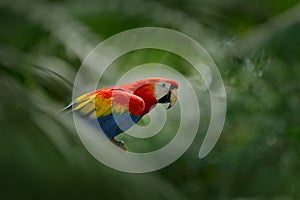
118, 108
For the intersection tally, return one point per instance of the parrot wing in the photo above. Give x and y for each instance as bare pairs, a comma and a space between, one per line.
116, 110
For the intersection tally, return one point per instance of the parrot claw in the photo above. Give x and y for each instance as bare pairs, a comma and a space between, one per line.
119, 143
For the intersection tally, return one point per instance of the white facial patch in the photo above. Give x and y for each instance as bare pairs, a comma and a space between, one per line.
161, 89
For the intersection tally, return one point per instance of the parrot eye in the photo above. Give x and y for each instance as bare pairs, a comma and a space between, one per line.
164, 85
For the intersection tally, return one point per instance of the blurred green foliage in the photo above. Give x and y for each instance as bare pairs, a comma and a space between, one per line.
256, 47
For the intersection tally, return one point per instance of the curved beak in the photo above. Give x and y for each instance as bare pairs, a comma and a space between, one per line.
170, 97
173, 98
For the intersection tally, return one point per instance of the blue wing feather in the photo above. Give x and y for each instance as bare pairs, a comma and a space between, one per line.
113, 118
114, 124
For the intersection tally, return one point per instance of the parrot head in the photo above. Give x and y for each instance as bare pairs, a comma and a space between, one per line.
166, 92
155, 90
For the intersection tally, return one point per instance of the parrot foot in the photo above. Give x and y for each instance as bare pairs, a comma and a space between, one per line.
119, 143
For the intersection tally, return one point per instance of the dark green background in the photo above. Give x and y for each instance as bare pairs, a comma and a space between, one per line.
255, 45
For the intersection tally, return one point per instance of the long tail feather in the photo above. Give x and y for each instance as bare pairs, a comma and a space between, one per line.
68, 108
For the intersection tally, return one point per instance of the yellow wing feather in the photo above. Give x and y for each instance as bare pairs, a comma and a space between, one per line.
95, 105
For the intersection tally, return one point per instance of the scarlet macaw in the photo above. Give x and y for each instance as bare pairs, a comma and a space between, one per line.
118, 108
